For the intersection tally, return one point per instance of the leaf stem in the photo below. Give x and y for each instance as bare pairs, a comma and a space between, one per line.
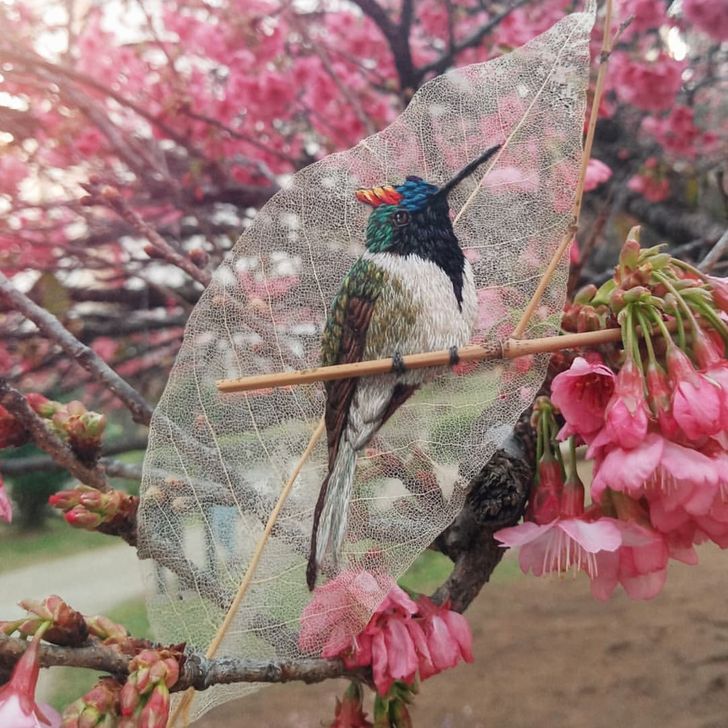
606, 50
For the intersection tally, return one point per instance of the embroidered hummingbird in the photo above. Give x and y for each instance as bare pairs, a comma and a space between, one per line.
411, 291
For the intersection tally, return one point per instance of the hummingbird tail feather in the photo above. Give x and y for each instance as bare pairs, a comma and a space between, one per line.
332, 509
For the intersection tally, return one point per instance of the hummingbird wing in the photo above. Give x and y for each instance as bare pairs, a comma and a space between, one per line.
344, 340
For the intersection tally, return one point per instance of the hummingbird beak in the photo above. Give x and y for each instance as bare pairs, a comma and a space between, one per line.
466, 171
376, 196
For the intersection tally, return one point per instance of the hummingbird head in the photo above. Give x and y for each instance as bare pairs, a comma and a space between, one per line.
414, 217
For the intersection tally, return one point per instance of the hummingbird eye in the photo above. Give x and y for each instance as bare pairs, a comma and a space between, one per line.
400, 217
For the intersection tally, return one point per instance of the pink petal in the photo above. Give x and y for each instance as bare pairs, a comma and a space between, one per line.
401, 656
397, 598
645, 586
380, 665
460, 630
596, 536
523, 533
424, 659
444, 650
604, 580
6, 508
627, 470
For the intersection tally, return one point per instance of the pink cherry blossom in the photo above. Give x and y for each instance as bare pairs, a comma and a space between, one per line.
341, 608
401, 639
562, 545
6, 508
651, 187
626, 416
659, 469
696, 400
645, 14
447, 635
639, 564
711, 16
676, 131
650, 86
596, 174
17, 697
12, 172
581, 393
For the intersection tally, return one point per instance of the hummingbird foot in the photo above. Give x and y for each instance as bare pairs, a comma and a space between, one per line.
454, 356
398, 365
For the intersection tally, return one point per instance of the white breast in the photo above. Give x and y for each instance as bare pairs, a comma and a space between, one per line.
444, 323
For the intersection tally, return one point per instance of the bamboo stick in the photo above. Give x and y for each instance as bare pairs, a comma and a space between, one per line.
510, 349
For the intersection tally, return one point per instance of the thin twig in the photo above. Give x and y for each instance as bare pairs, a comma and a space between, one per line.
715, 254
46, 440
52, 328
111, 197
533, 304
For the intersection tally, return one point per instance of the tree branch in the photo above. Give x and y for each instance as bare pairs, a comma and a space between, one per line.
52, 328
111, 197
46, 440
715, 254
397, 37
42, 463
496, 499
474, 39
197, 672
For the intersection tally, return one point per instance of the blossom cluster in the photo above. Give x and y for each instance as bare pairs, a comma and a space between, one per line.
404, 638
78, 427
142, 700
89, 508
653, 414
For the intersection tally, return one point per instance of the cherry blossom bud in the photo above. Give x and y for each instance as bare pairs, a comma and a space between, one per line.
98, 708
79, 517
18, 708
156, 711
67, 626
585, 294
199, 257
12, 433
719, 289
630, 253
66, 499
41, 405
129, 697
350, 711
106, 630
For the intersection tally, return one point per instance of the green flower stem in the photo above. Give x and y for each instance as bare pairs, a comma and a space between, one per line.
661, 325
644, 325
681, 301
572, 456
691, 268
705, 310
681, 340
